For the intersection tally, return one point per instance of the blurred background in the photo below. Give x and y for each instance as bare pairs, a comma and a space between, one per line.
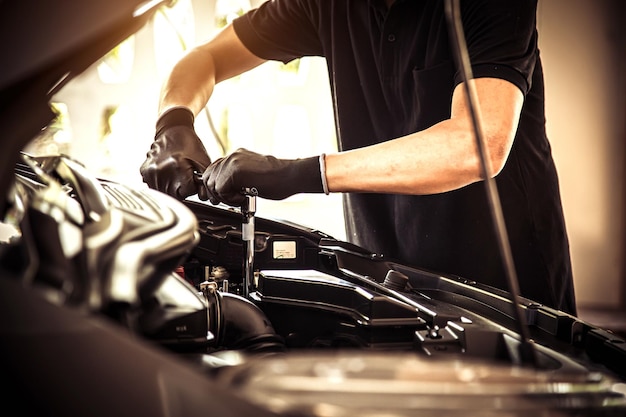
107, 118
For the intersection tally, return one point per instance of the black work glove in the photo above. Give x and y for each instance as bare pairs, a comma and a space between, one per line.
274, 178
175, 154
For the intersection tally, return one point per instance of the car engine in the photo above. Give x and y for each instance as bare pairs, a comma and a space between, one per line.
291, 320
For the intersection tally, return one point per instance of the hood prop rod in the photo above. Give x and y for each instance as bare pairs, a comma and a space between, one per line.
527, 349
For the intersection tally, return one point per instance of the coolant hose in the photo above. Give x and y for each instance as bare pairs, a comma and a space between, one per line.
244, 326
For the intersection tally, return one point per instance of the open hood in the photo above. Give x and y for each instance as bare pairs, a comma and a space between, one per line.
45, 45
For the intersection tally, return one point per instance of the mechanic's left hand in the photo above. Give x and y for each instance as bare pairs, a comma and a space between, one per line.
175, 154
274, 178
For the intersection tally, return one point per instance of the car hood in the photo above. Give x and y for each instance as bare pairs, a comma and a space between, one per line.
45, 45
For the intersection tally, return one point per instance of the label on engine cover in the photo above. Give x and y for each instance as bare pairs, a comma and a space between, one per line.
284, 249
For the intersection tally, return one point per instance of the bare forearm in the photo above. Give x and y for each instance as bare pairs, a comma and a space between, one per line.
190, 83
193, 78
439, 159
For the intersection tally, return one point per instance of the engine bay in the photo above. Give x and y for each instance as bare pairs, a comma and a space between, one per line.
305, 325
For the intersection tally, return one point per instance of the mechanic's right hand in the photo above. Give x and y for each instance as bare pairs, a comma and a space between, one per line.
175, 154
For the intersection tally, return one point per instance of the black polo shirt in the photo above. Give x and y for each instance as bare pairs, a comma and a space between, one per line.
392, 73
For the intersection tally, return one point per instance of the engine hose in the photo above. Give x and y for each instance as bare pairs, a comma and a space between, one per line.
239, 324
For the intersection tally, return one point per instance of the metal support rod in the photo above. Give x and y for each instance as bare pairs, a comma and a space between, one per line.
453, 15
248, 209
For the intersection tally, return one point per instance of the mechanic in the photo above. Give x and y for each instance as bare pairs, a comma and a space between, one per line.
408, 162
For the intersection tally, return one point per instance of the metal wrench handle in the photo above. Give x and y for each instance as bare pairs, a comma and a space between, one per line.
248, 209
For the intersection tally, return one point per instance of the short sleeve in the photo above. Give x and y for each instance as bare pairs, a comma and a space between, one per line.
501, 38
281, 29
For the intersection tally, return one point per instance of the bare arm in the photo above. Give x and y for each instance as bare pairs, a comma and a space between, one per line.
192, 79
439, 159
177, 152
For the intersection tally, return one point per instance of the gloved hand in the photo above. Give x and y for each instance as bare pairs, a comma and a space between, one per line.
175, 154
274, 178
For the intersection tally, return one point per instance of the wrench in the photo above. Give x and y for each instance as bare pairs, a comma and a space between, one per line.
248, 209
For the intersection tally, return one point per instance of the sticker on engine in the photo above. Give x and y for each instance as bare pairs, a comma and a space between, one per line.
284, 249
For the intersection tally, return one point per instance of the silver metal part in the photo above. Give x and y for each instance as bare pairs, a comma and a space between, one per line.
213, 311
248, 210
